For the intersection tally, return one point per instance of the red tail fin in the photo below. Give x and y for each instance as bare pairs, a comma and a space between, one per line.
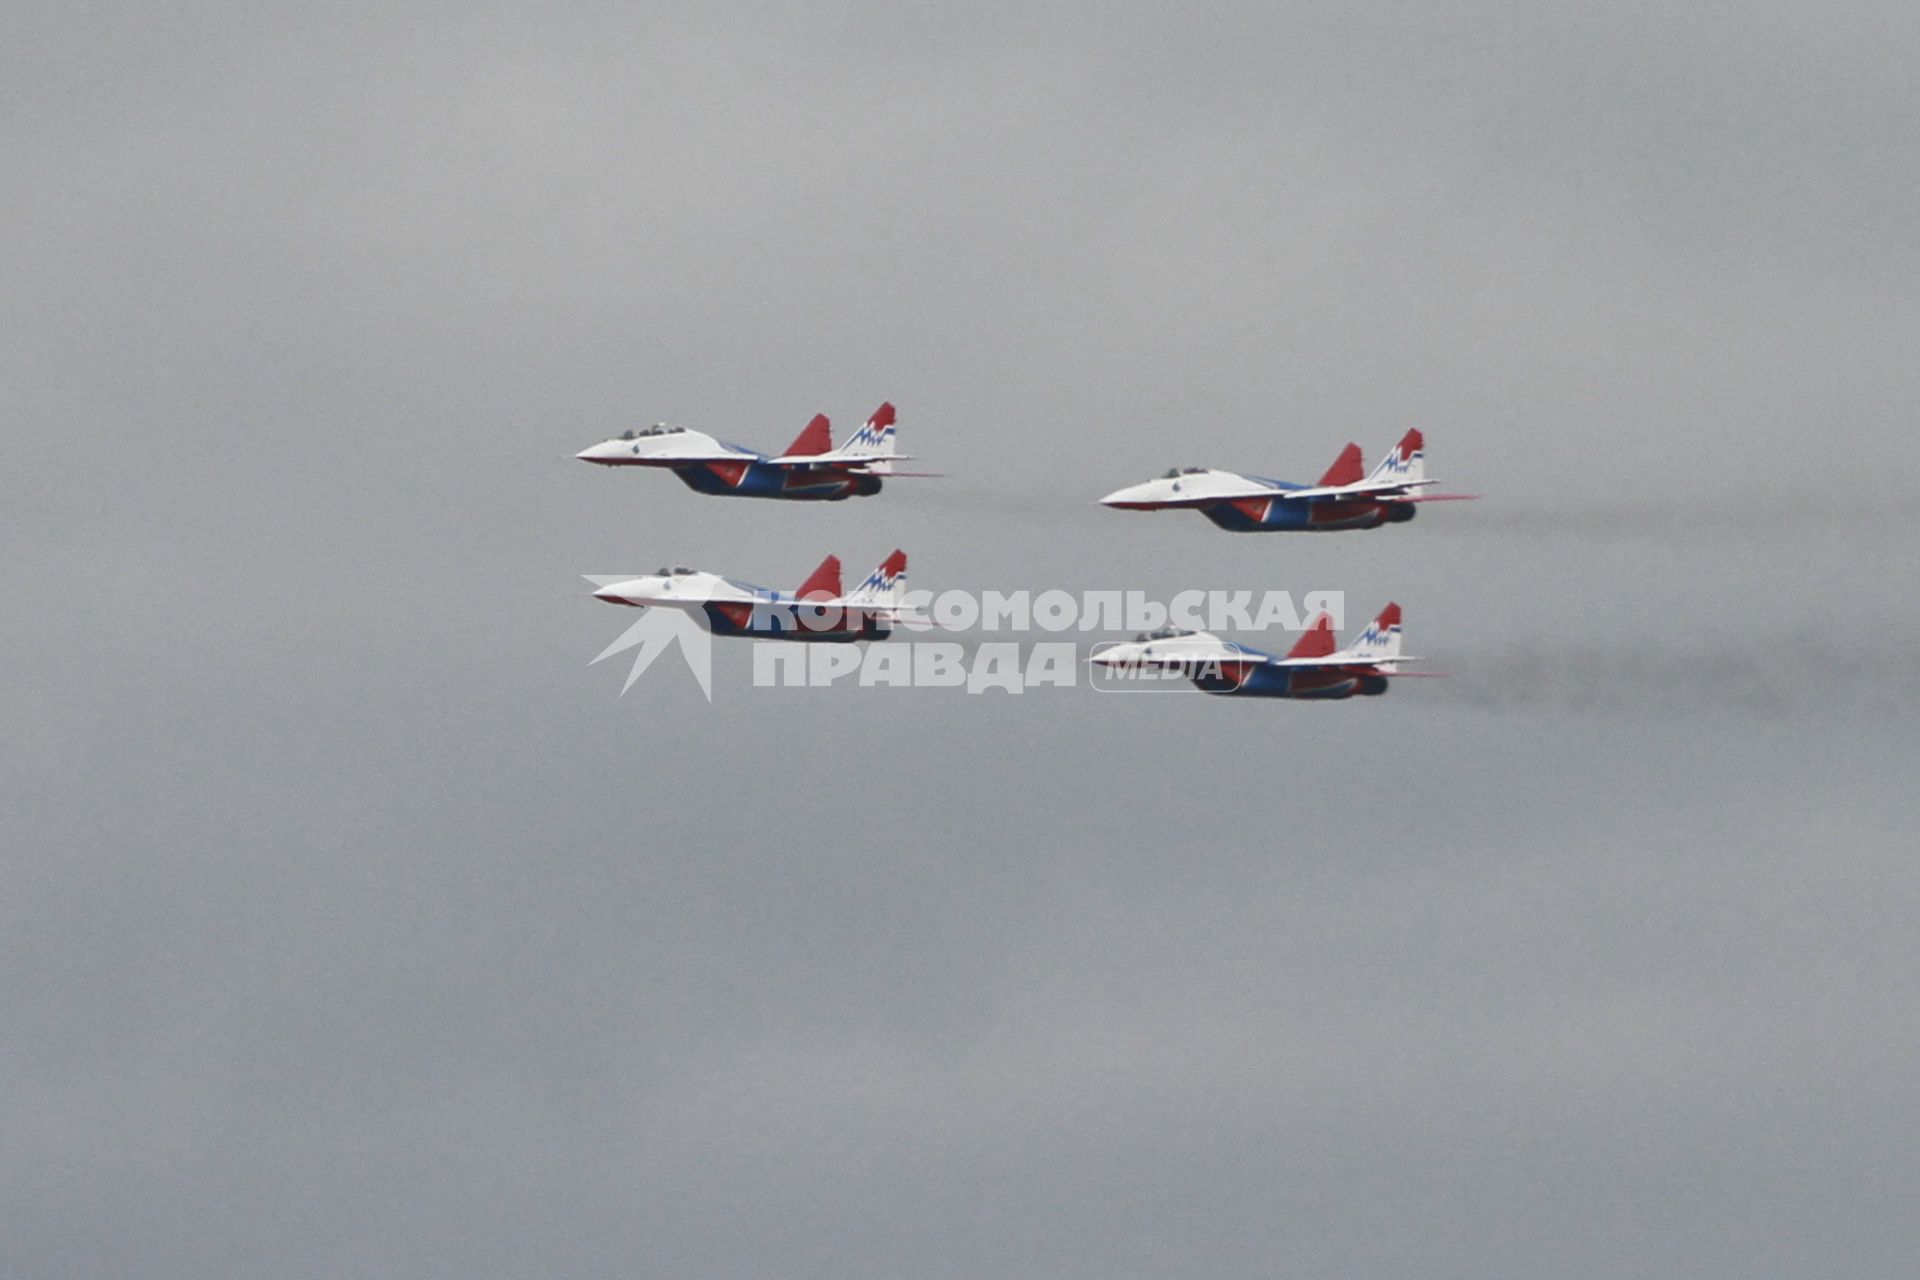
815, 439
1318, 640
882, 417
1346, 468
825, 582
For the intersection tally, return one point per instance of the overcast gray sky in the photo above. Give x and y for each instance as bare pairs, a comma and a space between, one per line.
351, 924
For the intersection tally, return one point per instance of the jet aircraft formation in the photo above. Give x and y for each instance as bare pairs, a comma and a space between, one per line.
812, 469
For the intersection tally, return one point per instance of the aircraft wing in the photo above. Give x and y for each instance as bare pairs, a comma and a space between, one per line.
1344, 660
827, 461
1379, 489
890, 614
1219, 496
896, 475
673, 457
1213, 497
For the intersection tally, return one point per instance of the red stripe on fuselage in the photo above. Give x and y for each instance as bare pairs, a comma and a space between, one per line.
1322, 681
1236, 671
812, 479
1338, 512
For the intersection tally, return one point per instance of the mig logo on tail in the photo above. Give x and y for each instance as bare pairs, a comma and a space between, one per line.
1399, 464
1375, 636
871, 437
875, 434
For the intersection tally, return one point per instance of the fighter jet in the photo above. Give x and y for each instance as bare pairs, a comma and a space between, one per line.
810, 470
1253, 504
816, 611
1313, 668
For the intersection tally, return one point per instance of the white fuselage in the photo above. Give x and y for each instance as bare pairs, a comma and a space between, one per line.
1189, 488
690, 591
660, 446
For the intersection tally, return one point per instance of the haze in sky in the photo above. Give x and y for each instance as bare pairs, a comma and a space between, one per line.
354, 924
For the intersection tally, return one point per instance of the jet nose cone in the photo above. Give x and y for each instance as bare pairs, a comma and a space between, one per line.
605, 453
616, 593
1132, 495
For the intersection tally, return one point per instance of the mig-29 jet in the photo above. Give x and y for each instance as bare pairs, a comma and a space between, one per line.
1313, 668
810, 470
816, 611
1345, 498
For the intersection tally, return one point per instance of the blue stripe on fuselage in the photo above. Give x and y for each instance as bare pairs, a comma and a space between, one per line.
759, 480
778, 620
1316, 684
1310, 515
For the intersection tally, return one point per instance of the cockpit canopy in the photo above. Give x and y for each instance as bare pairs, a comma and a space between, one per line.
657, 429
678, 571
1168, 632
1174, 473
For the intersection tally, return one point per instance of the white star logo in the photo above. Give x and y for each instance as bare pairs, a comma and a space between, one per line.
656, 631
